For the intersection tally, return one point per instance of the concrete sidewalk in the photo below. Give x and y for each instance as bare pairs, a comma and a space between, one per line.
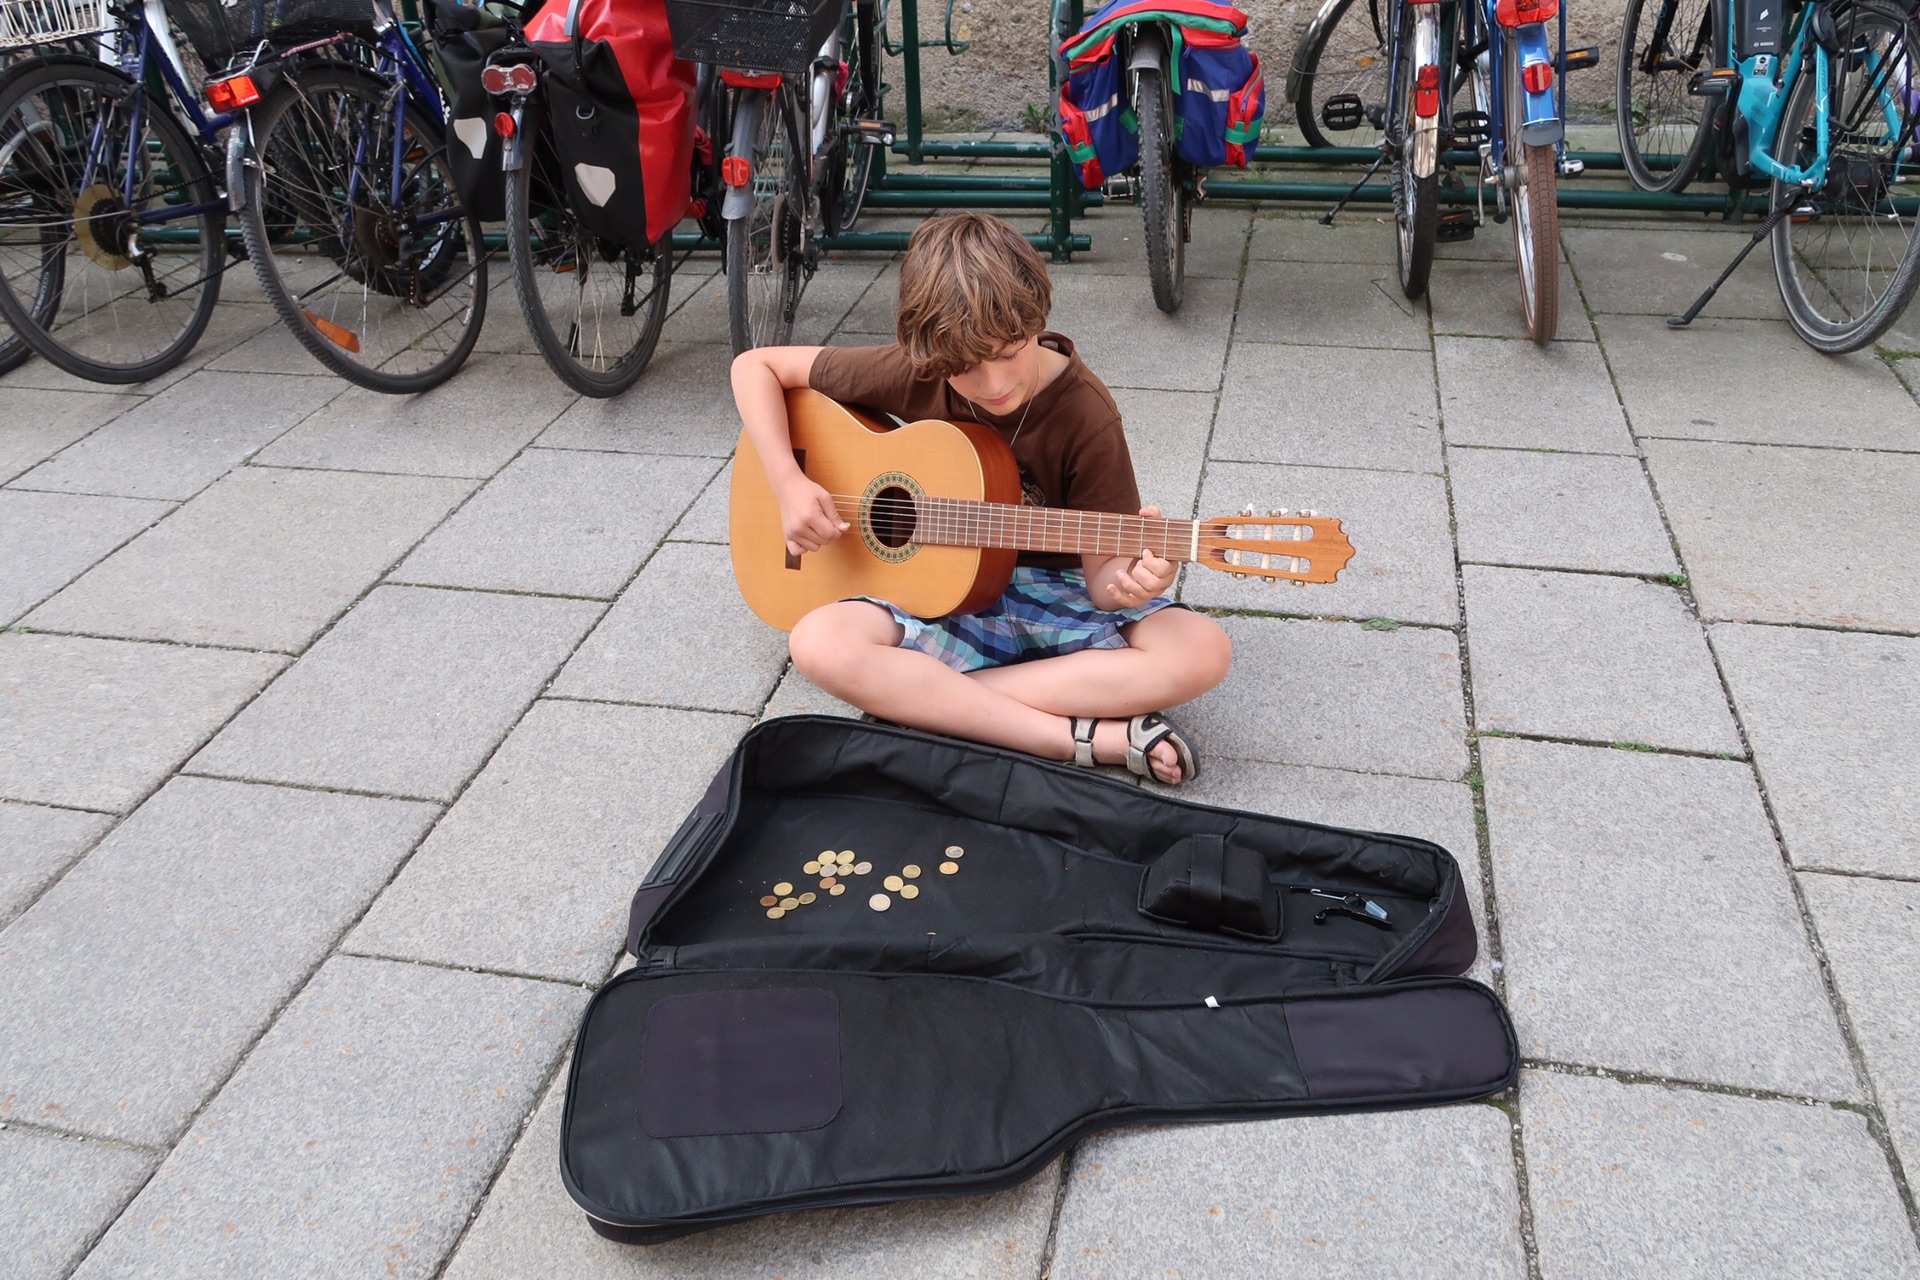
335, 731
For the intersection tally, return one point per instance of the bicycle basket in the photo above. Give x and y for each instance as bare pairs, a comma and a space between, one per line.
31, 22
218, 29
760, 35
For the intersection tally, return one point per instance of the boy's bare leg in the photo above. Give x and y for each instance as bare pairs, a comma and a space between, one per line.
851, 649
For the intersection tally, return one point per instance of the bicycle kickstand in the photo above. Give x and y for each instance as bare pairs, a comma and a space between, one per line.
1766, 228
1353, 191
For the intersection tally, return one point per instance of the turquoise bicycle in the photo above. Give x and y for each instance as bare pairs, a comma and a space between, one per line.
1816, 102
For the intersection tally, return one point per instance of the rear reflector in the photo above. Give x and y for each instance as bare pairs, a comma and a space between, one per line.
1537, 76
345, 339
232, 94
511, 78
736, 171
1426, 93
1518, 13
503, 124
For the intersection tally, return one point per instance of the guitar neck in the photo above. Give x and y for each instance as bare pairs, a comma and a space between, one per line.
955, 522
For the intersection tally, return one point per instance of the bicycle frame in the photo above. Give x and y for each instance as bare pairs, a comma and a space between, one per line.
149, 32
1762, 100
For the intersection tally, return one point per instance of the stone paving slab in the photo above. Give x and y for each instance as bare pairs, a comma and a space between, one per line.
232, 322
264, 558
357, 1135
1632, 1180
1648, 924
1329, 304
1660, 272
1402, 566
569, 814
1870, 931
682, 404
1119, 245
1355, 236
185, 438
49, 539
41, 423
1337, 695
37, 844
1699, 384
560, 521
878, 307
1579, 655
406, 696
209, 901
1167, 438
1741, 515
658, 646
56, 1195
796, 695
706, 519
1831, 717
96, 724
1514, 395
1419, 1193
702, 317
273, 350
1482, 300
1336, 408
529, 1227
1127, 342
471, 425
1557, 511
829, 297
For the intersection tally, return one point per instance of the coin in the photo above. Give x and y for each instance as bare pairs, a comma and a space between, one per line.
806, 898
955, 851
910, 891
810, 869
948, 868
769, 901
846, 853
893, 883
879, 902
774, 913
862, 868
910, 871
846, 858
788, 904
837, 890
783, 888
827, 882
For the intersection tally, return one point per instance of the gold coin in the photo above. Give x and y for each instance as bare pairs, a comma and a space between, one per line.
893, 883
910, 891
846, 858
862, 868
911, 871
827, 882
788, 904
955, 851
825, 854
774, 913
879, 902
807, 898
948, 868
846, 853
783, 888
810, 869
837, 890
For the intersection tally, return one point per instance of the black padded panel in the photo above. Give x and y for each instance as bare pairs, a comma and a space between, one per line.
719, 1062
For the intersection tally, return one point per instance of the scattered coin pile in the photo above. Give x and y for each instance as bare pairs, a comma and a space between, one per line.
834, 869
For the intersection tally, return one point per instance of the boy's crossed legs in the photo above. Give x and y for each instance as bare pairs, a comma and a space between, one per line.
852, 650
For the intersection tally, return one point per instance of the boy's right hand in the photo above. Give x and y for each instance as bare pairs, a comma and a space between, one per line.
808, 518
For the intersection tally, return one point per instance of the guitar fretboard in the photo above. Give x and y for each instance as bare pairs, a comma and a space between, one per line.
956, 522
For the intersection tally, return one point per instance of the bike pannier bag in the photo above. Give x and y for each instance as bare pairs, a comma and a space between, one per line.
473, 148
874, 965
621, 115
1221, 102
1103, 137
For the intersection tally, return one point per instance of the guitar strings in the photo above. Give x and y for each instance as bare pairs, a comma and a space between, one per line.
974, 520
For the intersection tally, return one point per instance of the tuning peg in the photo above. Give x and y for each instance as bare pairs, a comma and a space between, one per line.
1273, 582
1278, 511
1310, 513
1247, 510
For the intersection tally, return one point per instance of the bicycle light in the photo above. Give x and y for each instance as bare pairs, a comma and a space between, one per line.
232, 94
516, 78
1518, 13
1426, 92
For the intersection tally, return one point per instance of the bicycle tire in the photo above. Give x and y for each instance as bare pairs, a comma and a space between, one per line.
397, 327
1836, 301
1416, 200
1161, 195
1535, 214
766, 248
1364, 64
128, 338
604, 349
852, 172
1641, 114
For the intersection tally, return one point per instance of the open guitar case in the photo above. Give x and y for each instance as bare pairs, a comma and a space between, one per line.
1094, 954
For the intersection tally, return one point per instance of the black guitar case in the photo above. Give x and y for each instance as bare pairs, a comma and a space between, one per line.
998, 956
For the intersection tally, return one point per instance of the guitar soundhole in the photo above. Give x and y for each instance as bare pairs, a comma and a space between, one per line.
892, 516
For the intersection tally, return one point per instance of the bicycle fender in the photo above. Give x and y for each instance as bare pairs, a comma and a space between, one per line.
746, 122
1149, 50
1543, 126
239, 160
513, 152
1308, 39
1424, 144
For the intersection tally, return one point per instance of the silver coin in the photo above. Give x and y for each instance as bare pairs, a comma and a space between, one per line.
879, 902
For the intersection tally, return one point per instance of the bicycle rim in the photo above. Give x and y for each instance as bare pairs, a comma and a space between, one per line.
1350, 57
89, 277
1663, 129
1845, 259
765, 247
390, 294
1535, 215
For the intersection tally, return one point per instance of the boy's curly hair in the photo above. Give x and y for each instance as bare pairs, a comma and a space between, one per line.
970, 287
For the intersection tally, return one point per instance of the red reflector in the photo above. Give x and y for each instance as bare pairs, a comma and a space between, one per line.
1537, 76
750, 79
736, 171
516, 78
1426, 92
494, 79
503, 124
1518, 13
232, 94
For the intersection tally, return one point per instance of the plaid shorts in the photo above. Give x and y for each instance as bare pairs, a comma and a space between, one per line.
1043, 614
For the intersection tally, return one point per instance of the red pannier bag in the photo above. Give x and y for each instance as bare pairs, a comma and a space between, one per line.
620, 109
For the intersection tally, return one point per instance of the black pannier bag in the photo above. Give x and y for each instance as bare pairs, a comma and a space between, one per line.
462, 44
620, 109
875, 965
220, 31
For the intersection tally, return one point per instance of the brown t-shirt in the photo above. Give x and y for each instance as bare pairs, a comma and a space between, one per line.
1072, 451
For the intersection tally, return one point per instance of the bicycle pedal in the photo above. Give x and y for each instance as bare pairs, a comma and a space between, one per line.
1471, 129
1713, 82
875, 133
1455, 225
1343, 111
1581, 59
1571, 168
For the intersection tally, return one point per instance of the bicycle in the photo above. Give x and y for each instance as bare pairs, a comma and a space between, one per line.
1820, 107
1338, 77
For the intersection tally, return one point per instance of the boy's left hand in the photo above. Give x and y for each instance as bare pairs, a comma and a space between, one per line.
1147, 576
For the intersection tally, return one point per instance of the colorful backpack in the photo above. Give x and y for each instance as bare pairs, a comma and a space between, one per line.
1219, 96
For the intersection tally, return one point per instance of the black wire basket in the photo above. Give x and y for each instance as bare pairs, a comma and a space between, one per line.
218, 30
755, 35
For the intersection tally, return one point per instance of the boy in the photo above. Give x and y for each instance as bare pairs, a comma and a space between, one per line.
1076, 659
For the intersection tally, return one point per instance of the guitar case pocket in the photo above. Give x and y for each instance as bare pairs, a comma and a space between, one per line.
1018, 953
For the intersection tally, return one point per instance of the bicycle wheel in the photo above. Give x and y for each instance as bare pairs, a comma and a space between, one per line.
594, 307
1663, 128
1346, 53
91, 277
388, 293
852, 162
1535, 212
1162, 200
1416, 200
1847, 259
766, 248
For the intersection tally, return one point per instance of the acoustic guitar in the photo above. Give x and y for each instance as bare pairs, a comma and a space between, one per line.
936, 522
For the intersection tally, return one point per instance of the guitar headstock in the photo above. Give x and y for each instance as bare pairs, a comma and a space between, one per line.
1299, 546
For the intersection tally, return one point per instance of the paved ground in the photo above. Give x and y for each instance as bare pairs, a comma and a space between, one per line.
337, 730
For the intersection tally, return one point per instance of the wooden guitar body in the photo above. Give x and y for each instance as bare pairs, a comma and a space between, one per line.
871, 468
